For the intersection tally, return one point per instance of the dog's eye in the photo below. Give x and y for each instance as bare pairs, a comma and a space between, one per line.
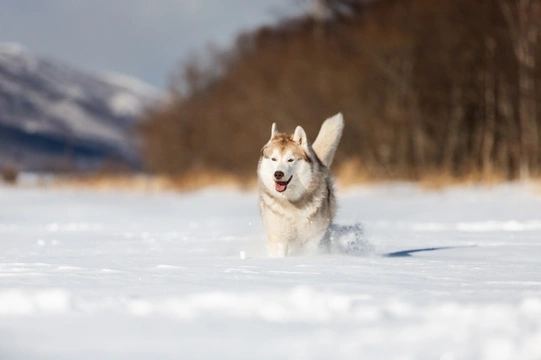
290, 160
273, 159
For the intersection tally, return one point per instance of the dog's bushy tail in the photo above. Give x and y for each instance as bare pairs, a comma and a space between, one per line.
328, 138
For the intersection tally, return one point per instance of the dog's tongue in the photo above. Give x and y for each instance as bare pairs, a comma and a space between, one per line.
281, 186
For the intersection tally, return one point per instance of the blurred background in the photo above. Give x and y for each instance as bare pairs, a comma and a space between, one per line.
431, 90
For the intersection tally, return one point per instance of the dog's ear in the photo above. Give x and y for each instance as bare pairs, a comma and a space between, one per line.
300, 137
274, 130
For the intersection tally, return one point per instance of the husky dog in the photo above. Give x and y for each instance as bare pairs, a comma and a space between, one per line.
296, 195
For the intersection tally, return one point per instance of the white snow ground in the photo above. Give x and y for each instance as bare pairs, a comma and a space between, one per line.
133, 275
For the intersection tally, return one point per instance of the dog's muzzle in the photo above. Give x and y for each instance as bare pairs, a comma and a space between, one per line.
281, 186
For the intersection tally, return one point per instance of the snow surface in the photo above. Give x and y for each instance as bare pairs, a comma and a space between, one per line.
10, 48
134, 96
133, 84
134, 275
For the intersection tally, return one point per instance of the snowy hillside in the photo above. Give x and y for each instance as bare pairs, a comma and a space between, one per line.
452, 274
53, 116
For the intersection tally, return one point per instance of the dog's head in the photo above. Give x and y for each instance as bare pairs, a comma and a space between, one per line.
286, 163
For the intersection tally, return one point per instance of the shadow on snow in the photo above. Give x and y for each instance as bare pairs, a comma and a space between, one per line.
408, 253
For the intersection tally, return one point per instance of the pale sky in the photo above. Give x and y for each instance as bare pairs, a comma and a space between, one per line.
141, 38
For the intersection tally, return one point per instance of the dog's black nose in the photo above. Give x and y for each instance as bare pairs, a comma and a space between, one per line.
278, 175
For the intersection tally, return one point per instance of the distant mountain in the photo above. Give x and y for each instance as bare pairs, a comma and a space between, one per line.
53, 117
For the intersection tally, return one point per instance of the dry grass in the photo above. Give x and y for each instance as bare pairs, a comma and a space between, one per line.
537, 186
195, 180
439, 180
113, 182
10, 174
350, 173
186, 182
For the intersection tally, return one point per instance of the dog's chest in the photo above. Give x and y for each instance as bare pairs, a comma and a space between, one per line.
295, 224
304, 213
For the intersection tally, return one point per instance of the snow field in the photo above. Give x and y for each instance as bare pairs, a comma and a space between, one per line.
451, 274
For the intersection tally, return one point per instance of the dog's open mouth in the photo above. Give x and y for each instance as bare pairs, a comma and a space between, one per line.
281, 186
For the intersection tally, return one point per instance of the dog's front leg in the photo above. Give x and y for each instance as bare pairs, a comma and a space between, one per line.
278, 249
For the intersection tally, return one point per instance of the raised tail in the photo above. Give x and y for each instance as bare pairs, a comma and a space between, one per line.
328, 138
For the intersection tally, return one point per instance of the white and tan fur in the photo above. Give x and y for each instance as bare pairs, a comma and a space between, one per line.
296, 195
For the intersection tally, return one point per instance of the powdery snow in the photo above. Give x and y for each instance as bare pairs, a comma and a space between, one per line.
451, 274
125, 104
12, 48
135, 94
60, 107
133, 84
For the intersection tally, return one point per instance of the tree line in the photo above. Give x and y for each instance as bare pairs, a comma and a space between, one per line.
425, 86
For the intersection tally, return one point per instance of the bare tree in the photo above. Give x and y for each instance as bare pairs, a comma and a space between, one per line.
490, 107
427, 86
522, 18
